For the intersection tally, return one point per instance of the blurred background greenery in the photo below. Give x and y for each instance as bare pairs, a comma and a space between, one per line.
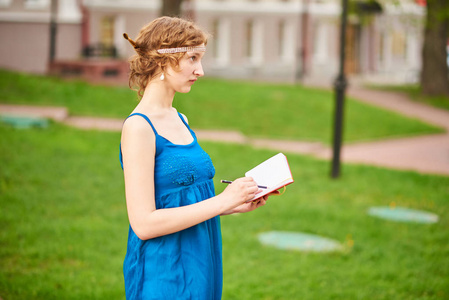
63, 215
294, 112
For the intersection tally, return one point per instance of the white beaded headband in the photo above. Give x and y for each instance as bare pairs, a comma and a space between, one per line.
182, 49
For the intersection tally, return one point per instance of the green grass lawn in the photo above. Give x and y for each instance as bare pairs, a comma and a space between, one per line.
256, 109
64, 225
414, 92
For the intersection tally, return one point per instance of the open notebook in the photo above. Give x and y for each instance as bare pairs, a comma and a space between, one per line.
274, 173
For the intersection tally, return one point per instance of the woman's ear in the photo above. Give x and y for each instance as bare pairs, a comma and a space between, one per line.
160, 69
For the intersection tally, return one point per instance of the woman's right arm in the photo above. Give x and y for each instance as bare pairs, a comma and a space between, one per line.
138, 149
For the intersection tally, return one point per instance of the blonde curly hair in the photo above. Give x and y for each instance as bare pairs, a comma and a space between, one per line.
161, 33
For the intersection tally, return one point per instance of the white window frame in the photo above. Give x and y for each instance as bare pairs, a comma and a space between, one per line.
223, 42
256, 55
320, 54
37, 4
287, 54
5, 3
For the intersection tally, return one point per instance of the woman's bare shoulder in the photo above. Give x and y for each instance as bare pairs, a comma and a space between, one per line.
136, 126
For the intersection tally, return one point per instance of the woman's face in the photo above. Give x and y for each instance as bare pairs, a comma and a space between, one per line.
190, 68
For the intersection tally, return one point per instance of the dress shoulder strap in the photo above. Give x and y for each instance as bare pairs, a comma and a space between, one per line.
155, 133
183, 119
146, 118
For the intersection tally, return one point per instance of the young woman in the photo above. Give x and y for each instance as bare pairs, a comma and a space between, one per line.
174, 242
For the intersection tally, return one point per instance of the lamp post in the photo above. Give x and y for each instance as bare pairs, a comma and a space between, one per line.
53, 27
340, 87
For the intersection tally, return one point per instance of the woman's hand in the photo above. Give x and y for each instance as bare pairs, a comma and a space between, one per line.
240, 190
250, 206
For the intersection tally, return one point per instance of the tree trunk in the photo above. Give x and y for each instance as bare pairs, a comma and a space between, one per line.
171, 8
435, 73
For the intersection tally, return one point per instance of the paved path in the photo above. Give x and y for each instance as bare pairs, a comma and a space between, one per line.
424, 154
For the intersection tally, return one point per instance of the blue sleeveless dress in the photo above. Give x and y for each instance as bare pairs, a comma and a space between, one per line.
186, 264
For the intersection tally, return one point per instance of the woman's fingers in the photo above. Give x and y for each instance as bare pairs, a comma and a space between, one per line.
244, 189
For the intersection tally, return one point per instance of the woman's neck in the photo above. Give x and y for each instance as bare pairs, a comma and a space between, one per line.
157, 97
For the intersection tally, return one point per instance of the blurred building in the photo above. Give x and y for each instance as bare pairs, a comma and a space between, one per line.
25, 33
281, 40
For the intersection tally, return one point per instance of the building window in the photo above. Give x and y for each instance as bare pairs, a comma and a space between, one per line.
254, 42
5, 3
249, 38
399, 45
320, 44
281, 39
220, 41
381, 47
215, 38
286, 47
107, 31
37, 4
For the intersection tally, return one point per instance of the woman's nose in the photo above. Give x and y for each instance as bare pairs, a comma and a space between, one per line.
199, 70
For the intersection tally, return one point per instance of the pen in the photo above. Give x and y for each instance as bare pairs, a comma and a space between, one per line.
227, 181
